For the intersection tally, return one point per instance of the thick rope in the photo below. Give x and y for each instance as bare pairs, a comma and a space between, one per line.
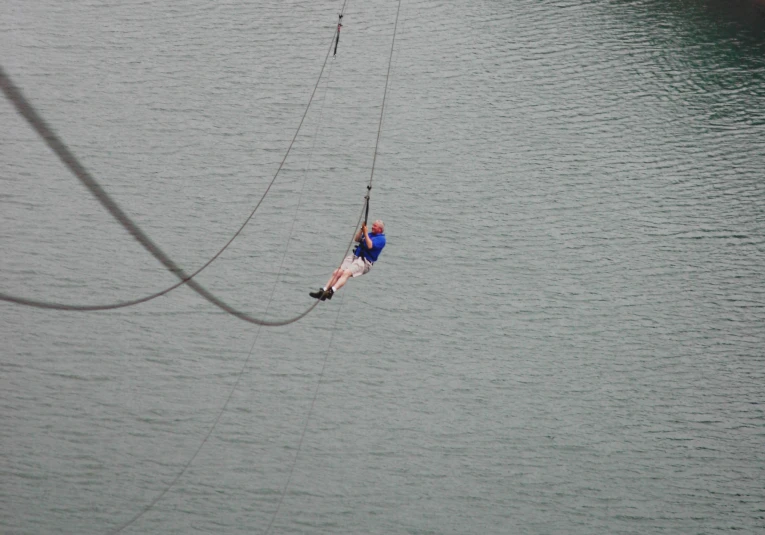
25, 109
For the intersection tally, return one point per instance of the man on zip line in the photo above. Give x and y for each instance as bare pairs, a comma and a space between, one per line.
357, 264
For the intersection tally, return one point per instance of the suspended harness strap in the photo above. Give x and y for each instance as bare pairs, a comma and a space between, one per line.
337, 39
366, 213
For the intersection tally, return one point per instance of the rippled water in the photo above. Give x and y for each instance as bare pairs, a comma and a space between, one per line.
564, 334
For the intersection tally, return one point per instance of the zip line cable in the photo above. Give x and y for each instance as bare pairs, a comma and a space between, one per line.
382, 114
24, 108
385, 95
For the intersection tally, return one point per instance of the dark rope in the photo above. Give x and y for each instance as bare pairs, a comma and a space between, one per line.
385, 95
25, 109
382, 112
167, 488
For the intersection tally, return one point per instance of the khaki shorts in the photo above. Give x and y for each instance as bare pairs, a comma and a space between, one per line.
356, 265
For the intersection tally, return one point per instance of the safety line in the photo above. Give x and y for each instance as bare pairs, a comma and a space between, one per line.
172, 483
307, 419
37, 122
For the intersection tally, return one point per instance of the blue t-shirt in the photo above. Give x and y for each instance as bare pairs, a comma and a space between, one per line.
378, 242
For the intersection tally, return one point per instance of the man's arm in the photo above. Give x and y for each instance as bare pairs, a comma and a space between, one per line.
367, 239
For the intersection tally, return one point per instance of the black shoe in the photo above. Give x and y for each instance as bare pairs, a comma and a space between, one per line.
328, 294
317, 295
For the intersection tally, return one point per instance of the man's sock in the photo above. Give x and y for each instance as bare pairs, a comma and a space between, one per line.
334, 289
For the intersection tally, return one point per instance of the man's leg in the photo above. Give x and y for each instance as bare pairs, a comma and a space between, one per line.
335, 282
340, 282
334, 278
338, 279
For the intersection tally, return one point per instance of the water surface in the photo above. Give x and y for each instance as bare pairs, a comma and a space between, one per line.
564, 334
